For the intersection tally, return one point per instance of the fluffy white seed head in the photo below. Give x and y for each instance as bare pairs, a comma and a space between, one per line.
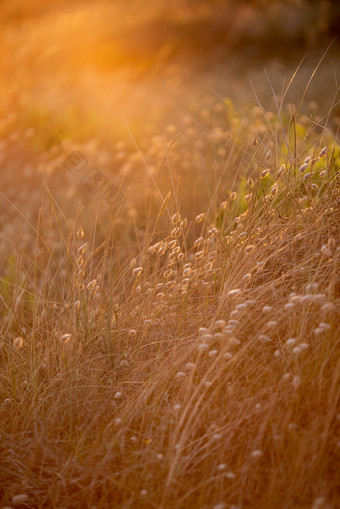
180, 375
203, 347
20, 499
234, 292
257, 453
18, 342
264, 339
296, 382
219, 324
65, 338
227, 356
327, 253
271, 324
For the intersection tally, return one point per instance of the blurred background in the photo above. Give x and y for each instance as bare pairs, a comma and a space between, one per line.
119, 81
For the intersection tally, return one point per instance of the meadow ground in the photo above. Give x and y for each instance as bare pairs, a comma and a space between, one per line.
169, 271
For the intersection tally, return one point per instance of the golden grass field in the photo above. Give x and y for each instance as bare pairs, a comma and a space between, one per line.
169, 265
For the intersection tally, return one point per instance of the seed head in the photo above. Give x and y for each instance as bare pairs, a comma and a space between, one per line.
222, 505
167, 273
234, 313
203, 347
296, 382
82, 249
212, 353
80, 233
249, 248
176, 218
234, 292
92, 284
274, 190
264, 339
65, 338
257, 453
327, 307
175, 232
234, 341
323, 151
308, 176
137, 272
202, 330
180, 374
241, 306
303, 167
19, 499
200, 217
190, 366
264, 173
18, 342
271, 323
219, 324
324, 325
304, 346
296, 350
327, 253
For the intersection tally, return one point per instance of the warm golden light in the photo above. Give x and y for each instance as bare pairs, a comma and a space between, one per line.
169, 254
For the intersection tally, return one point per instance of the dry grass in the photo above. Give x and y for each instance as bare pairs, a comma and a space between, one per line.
194, 367
177, 345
